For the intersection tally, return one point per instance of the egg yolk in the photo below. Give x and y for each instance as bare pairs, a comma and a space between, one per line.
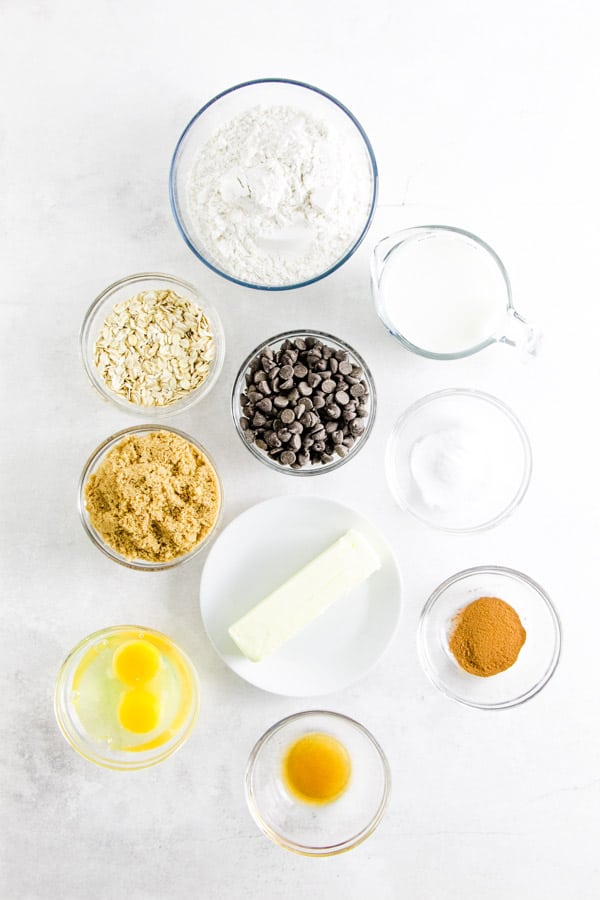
139, 710
136, 662
316, 768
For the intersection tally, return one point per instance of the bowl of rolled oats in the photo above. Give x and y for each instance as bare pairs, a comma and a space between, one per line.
151, 344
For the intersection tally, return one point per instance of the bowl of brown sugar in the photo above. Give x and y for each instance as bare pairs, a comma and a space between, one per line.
489, 637
149, 497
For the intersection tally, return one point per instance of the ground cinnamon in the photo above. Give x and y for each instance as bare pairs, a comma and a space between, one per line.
487, 637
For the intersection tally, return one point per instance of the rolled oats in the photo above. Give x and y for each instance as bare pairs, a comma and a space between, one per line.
154, 348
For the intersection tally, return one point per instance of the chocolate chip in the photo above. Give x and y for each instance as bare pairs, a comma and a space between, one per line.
305, 403
265, 405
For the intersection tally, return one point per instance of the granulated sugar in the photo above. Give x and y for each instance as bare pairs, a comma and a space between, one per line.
278, 196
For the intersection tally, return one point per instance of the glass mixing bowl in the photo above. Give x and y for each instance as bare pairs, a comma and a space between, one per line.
236, 101
325, 829
475, 477
117, 293
92, 464
102, 747
539, 655
275, 343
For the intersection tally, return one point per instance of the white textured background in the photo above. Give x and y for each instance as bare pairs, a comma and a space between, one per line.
481, 114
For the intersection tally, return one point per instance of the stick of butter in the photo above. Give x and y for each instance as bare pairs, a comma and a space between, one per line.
292, 606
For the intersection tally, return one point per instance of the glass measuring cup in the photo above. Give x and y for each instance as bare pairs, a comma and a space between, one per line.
445, 294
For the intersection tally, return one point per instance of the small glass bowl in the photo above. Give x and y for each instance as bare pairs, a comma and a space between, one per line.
274, 343
122, 290
92, 464
318, 830
538, 657
506, 455
100, 751
237, 100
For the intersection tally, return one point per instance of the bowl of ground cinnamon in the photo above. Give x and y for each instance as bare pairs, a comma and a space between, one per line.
150, 497
489, 637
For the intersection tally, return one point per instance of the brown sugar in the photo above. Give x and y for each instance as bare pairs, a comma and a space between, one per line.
487, 637
153, 497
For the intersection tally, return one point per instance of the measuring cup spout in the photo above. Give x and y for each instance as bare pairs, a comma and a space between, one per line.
520, 334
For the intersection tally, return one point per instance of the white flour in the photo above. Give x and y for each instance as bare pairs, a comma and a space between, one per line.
277, 196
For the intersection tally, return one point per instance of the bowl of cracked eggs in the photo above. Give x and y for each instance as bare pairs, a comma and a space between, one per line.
152, 345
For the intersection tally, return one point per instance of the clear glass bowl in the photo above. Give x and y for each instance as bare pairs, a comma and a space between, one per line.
123, 290
274, 343
538, 657
101, 751
328, 829
235, 101
92, 464
492, 465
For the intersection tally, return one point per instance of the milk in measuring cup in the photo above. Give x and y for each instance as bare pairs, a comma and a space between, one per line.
443, 295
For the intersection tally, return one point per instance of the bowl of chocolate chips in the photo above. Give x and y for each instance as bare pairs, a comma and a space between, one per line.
304, 402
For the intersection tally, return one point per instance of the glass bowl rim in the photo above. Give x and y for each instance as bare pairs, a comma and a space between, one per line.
436, 230
304, 849
515, 575
374, 173
141, 565
307, 471
507, 412
190, 399
121, 765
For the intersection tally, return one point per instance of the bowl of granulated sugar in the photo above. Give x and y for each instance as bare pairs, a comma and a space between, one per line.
273, 184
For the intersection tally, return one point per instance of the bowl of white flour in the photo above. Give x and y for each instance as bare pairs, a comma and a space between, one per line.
273, 184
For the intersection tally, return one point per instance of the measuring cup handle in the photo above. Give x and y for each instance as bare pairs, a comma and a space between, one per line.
520, 334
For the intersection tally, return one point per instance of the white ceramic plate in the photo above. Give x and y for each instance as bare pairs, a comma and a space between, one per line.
260, 550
